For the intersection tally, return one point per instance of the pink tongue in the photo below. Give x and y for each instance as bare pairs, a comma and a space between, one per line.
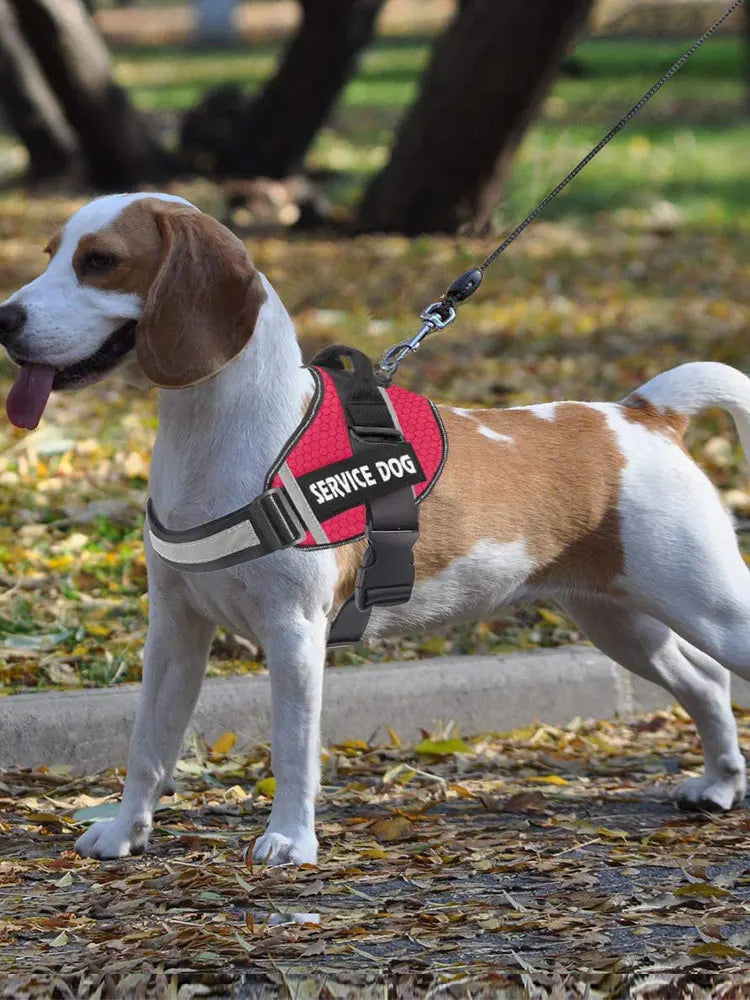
29, 394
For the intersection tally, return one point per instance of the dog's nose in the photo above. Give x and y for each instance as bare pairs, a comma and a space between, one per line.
12, 319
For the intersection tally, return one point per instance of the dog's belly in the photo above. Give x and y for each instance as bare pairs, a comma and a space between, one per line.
471, 587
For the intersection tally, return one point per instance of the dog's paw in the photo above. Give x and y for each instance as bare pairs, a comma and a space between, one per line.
113, 839
279, 849
712, 794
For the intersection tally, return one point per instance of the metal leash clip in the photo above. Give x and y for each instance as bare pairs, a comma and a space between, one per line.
436, 316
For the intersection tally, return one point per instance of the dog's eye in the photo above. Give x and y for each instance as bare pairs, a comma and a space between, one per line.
97, 260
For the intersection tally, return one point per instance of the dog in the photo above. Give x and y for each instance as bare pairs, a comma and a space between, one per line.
595, 505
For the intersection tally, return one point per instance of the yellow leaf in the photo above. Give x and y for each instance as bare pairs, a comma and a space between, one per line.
715, 949
604, 831
549, 616
391, 829
60, 940
98, 629
65, 881
524, 733
550, 779
236, 793
442, 748
701, 889
225, 742
61, 562
266, 786
462, 791
395, 739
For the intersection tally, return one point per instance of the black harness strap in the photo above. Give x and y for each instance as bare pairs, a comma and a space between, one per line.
386, 575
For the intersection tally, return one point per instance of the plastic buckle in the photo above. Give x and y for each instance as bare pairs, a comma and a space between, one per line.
386, 576
276, 520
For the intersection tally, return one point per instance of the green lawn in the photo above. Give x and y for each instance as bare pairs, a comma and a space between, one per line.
689, 146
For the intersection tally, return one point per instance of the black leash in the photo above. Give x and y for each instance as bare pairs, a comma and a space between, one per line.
442, 313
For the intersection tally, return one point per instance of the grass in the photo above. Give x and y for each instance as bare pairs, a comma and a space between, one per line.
610, 288
688, 146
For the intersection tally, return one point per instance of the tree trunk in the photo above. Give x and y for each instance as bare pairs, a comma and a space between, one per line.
30, 106
117, 148
232, 135
487, 76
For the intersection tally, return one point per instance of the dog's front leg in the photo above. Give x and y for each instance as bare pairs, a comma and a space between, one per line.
296, 654
174, 661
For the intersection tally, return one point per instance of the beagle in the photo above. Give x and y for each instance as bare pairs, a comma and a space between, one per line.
596, 505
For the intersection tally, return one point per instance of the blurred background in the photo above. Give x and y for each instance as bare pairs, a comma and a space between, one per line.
368, 151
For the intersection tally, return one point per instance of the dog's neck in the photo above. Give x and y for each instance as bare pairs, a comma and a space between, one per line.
217, 440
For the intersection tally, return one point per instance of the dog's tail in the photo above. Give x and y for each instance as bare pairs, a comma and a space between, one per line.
690, 388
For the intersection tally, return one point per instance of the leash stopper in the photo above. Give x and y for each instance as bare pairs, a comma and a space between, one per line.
464, 286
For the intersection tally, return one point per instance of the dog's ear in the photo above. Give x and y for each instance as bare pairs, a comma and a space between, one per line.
203, 303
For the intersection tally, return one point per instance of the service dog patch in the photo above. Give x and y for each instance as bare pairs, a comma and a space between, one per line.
319, 466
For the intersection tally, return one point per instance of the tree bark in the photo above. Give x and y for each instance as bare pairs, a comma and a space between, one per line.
235, 136
118, 150
30, 107
486, 78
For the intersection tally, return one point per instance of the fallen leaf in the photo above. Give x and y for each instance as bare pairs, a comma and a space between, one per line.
441, 748
266, 786
224, 743
391, 829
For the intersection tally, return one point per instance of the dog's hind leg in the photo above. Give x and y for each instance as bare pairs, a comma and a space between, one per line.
174, 661
701, 685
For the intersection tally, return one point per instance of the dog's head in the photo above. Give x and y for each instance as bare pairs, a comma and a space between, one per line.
143, 272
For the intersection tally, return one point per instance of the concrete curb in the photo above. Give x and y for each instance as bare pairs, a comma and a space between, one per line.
90, 729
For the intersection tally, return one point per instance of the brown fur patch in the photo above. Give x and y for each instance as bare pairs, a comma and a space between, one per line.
134, 239
555, 485
638, 410
53, 245
203, 303
200, 290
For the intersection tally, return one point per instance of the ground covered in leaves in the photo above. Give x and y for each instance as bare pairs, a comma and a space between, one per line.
544, 862
578, 312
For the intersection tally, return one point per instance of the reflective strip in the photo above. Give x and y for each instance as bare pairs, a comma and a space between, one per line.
391, 410
304, 509
202, 550
394, 417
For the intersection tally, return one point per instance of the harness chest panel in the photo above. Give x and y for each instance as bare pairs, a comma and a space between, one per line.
357, 466
323, 440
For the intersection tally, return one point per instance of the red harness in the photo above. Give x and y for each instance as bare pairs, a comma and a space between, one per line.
358, 465
323, 440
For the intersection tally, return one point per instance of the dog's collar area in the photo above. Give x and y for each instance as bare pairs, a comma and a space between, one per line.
356, 467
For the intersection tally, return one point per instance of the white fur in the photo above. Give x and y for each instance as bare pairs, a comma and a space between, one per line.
474, 586
680, 610
475, 415
493, 435
545, 411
